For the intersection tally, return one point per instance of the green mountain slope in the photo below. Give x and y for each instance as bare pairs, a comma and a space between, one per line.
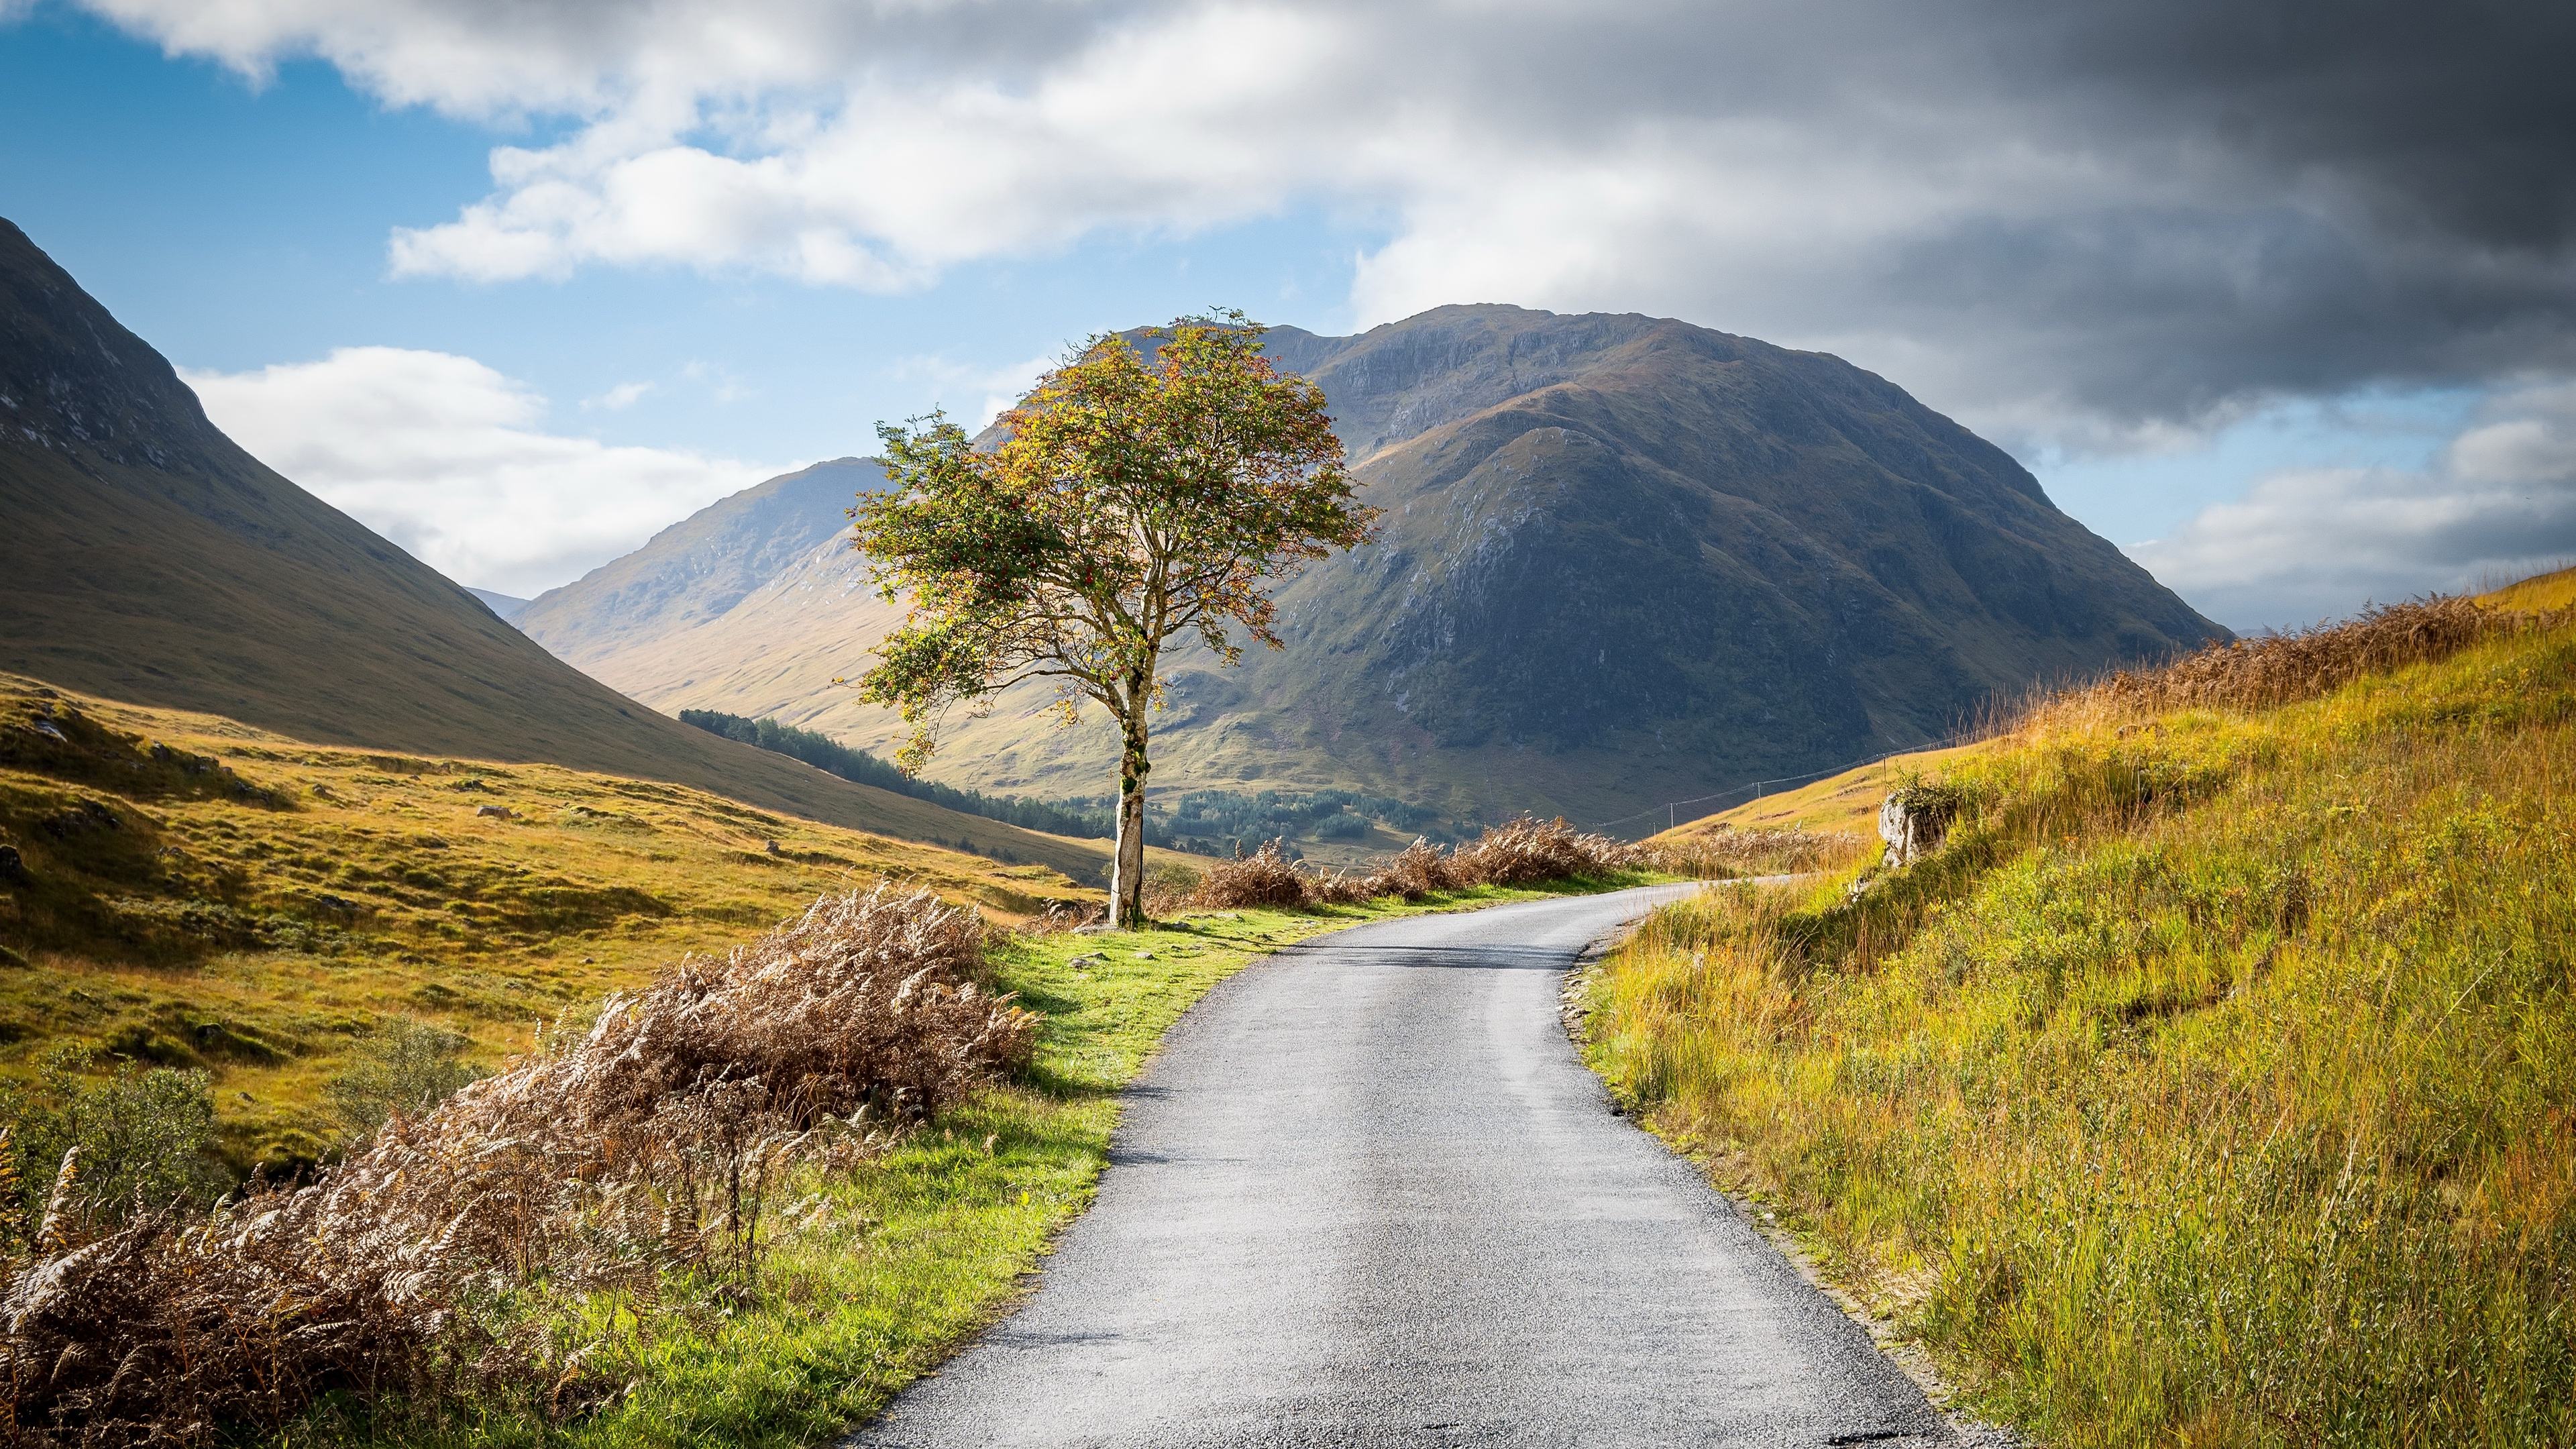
147, 558
1625, 559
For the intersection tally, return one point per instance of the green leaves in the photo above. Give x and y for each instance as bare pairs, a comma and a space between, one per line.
1129, 500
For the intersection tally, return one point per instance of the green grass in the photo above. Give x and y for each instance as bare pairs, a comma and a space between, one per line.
2212, 1085
905, 1259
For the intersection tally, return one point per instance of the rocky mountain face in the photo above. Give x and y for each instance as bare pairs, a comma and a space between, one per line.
146, 557
1625, 559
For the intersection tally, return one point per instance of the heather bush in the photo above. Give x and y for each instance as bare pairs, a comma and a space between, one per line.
648, 1140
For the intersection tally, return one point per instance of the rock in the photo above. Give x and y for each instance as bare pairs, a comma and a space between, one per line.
497, 812
1144, 955
13, 866
322, 790
1081, 962
1915, 820
46, 728
87, 816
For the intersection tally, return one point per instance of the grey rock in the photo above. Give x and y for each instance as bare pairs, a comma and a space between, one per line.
1914, 821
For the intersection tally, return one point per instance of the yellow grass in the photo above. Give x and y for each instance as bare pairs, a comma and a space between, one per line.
1844, 804
2212, 1084
258, 938
2536, 595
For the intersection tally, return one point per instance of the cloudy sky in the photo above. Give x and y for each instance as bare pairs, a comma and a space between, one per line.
2279, 296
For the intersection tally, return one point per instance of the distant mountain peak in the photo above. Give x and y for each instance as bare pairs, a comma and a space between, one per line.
1626, 559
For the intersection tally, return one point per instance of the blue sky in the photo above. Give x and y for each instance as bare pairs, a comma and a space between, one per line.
416, 275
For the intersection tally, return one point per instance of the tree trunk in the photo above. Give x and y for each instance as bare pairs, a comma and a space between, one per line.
1127, 867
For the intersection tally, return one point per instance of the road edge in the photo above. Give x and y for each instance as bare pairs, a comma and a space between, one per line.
1574, 1013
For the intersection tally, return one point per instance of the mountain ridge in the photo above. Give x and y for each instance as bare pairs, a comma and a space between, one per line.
1626, 559
150, 559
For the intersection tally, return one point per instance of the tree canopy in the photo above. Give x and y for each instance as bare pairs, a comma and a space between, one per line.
1129, 500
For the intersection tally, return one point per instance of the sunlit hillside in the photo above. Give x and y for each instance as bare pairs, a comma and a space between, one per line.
191, 891
2207, 1084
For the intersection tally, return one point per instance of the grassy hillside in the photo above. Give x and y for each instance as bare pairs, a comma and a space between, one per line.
1625, 560
148, 558
2208, 1085
192, 891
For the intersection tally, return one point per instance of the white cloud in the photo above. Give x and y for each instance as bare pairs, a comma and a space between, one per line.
447, 457
999, 387
619, 398
2497, 504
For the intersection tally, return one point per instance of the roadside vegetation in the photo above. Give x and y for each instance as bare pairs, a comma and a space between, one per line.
742, 1203
2209, 1083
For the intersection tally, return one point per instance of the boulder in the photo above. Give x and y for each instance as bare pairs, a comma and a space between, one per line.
497, 812
1915, 820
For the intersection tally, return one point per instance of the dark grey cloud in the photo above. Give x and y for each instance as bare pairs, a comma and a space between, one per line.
2065, 222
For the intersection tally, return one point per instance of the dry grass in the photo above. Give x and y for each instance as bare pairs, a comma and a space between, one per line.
2203, 1087
2271, 670
1265, 878
1731, 854
652, 1140
1519, 852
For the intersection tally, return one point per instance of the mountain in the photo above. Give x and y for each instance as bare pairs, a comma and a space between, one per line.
147, 558
1626, 559
508, 606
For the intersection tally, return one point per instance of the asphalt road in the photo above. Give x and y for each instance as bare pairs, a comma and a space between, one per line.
1368, 1195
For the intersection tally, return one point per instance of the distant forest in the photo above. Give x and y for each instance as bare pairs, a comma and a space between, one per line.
1207, 822
832, 757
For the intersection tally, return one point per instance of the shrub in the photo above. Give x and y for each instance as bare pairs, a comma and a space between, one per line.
406, 1067
650, 1139
142, 1141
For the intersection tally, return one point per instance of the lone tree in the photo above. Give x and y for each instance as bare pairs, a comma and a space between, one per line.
1131, 501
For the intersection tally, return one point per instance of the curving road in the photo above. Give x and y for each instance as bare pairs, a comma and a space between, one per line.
1367, 1195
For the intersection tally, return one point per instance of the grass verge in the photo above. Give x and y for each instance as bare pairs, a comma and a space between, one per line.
888, 1269
2210, 1085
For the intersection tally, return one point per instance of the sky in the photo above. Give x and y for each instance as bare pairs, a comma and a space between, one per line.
2279, 297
